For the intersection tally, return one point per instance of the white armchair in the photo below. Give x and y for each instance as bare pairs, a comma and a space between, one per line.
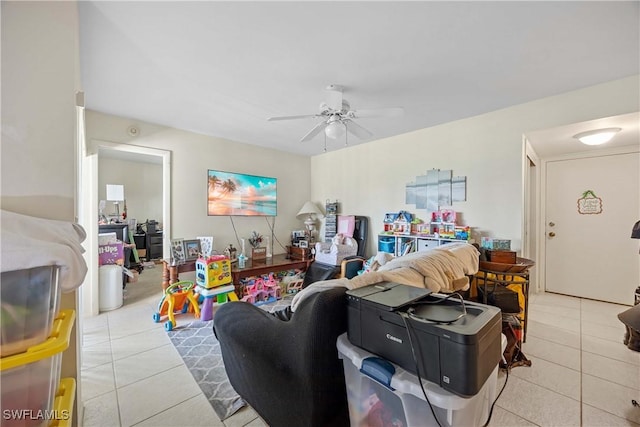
334, 252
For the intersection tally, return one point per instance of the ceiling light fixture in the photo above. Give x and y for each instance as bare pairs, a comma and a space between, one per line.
598, 136
335, 129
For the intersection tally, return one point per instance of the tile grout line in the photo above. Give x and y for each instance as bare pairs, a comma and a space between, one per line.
113, 367
164, 410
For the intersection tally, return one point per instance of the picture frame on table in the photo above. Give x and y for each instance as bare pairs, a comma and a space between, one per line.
192, 249
178, 255
303, 243
297, 234
206, 245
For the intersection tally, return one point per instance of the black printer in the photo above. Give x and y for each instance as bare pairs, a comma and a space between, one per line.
457, 346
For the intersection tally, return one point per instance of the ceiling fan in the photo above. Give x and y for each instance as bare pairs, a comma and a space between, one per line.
337, 117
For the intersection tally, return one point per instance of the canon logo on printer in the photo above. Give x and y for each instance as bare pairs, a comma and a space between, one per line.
392, 338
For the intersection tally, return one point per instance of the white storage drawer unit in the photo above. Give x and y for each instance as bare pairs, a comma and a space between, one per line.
426, 244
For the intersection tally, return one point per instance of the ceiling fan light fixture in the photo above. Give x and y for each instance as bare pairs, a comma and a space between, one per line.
335, 129
597, 137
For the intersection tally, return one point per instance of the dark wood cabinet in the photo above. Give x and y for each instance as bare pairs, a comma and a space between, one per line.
154, 245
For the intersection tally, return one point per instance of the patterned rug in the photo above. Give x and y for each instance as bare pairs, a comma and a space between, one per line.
201, 353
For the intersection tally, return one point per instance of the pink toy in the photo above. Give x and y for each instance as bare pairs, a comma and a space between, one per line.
262, 290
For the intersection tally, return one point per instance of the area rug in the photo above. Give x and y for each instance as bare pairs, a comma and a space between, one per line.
201, 353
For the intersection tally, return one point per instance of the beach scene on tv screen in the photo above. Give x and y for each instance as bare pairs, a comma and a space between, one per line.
230, 193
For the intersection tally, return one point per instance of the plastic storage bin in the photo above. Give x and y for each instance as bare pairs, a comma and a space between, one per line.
401, 402
30, 301
387, 244
63, 404
110, 284
30, 380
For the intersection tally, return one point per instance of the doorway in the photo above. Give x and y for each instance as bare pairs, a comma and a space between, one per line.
546, 149
591, 206
530, 211
89, 297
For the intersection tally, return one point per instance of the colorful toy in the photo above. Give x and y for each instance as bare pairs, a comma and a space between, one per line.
179, 296
295, 286
212, 273
221, 294
262, 290
293, 282
402, 223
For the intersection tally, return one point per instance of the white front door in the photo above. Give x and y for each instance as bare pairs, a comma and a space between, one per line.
589, 250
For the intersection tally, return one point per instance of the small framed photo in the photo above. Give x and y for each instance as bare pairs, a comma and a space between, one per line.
206, 245
303, 243
177, 251
297, 234
192, 249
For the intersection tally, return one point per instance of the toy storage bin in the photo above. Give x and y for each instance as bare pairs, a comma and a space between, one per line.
30, 300
31, 379
387, 244
63, 404
402, 401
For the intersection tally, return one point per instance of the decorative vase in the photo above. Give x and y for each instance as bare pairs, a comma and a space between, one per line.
268, 246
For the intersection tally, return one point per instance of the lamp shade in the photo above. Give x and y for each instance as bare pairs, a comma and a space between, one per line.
335, 129
115, 192
309, 209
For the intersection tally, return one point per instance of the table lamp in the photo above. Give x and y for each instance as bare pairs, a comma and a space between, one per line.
310, 211
115, 194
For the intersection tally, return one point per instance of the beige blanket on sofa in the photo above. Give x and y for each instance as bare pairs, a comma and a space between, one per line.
443, 269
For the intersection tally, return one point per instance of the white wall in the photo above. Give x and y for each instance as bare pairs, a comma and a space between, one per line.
142, 187
370, 179
39, 80
192, 155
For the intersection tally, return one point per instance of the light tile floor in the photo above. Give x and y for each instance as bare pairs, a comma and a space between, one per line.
581, 373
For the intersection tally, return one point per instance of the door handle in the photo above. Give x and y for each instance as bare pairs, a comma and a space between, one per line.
552, 234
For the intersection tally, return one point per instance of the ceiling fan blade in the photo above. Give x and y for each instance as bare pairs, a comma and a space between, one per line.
357, 130
306, 116
313, 132
334, 97
377, 112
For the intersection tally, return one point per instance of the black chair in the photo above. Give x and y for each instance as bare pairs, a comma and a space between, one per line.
350, 266
288, 370
318, 271
360, 233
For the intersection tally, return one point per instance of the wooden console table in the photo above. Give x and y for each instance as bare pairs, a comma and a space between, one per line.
276, 263
268, 265
170, 272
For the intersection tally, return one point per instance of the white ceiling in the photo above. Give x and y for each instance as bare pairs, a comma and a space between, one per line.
223, 68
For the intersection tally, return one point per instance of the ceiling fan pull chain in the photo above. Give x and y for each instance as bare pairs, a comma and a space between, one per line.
346, 135
325, 142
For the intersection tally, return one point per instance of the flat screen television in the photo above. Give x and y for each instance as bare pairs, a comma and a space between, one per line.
230, 193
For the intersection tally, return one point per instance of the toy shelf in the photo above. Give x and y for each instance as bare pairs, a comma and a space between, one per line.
399, 245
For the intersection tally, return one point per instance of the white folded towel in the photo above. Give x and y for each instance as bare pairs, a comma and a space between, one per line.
28, 242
